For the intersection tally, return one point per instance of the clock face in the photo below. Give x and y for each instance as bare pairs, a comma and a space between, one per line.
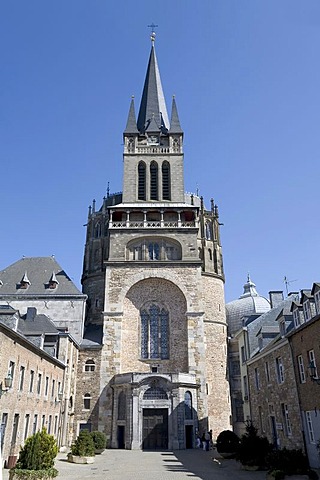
153, 139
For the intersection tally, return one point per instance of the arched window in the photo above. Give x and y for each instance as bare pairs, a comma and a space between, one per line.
210, 253
166, 184
141, 181
155, 393
154, 251
86, 401
188, 406
89, 366
122, 406
154, 181
208, 231
97, 230
154, 333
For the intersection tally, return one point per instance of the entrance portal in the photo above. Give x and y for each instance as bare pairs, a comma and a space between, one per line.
189, 436
155, 429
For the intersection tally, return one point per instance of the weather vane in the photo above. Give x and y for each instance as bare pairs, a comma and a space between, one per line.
153, 34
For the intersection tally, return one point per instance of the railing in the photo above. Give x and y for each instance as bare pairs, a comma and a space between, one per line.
154, 224
153, 149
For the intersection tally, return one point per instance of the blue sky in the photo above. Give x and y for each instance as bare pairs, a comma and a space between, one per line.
246, 77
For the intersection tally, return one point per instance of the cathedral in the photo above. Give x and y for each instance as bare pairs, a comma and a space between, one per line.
153, 361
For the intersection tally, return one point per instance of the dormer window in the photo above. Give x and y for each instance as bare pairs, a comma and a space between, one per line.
53, 282
282, 326
306, 310
25, 282
316, 299
296, 318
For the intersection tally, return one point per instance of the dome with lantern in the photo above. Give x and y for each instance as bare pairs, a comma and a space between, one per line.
249, 303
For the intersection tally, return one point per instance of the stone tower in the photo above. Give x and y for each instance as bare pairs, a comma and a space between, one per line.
154, 354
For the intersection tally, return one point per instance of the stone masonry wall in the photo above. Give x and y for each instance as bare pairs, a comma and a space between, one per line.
43, 407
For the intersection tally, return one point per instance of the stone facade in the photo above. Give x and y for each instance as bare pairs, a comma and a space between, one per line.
153, 274
275, 407
33, 400
304, 341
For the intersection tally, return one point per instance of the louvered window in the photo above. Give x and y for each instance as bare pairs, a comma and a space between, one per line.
141, 181
166, 187
154, 181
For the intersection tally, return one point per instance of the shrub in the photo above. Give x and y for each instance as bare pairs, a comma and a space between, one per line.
253, 449
227, 442
39, 452
84, 445
99, 440
290, 461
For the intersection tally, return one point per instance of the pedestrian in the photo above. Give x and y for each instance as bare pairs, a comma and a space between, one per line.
207, 441
203, 440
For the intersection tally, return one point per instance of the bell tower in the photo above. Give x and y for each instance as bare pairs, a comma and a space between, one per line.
153, 146
153, 275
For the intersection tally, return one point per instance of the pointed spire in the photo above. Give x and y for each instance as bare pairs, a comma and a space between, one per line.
175, 126
131, 122
152, 101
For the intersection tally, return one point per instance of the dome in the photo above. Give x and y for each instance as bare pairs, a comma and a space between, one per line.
249, 303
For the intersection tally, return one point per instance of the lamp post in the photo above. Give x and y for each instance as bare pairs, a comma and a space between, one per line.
7, 384
313, 373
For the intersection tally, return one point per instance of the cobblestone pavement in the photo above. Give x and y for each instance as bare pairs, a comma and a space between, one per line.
138, 465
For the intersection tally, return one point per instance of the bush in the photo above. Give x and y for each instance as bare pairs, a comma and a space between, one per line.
290, 461
253, 449
227, 442
38, 453
84, 445
99, 440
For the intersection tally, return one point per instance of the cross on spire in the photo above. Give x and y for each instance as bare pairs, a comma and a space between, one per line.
153, 34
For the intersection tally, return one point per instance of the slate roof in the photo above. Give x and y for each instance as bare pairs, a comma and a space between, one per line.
131, 126
39, 271
175, 126
38, 325
92, 336
152, 100
249, 303
267, 319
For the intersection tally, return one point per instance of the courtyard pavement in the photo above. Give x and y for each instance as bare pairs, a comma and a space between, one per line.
138, 465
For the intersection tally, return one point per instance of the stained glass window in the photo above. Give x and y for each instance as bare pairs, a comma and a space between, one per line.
154, 333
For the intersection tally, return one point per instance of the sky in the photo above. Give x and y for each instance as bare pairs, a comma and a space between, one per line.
246, 77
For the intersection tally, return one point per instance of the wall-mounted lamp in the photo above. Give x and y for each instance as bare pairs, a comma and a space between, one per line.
313, 373
7, 384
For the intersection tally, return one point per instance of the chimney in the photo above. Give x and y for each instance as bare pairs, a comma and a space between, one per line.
31, 313
276, 297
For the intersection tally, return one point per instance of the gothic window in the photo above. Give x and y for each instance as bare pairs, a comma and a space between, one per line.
154, 332
188, 406
97, 230
154, 181
155, 393
208, 231
86, 401
166, 190
154, 251
141, 181
122, 406
89, 366
210, 253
